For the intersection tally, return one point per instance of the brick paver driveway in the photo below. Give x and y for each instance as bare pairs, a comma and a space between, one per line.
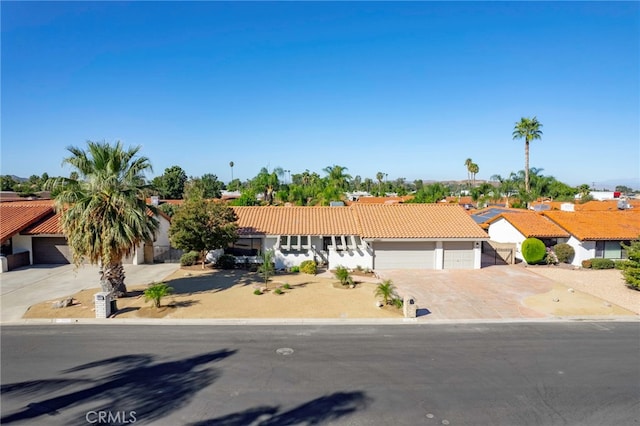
493, 292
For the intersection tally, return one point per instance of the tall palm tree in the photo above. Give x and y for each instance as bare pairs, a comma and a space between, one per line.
473, 169
467, 163
379, 177
231, 165
527, 129
104, 214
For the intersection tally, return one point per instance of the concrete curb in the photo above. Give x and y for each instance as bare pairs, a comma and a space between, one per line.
310, 321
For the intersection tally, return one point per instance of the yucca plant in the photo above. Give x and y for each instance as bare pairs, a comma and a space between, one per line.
387, 291
156, 292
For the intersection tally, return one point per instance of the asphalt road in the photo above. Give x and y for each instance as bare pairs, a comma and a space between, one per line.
412, 374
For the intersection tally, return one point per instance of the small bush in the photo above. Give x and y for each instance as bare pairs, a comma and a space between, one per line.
343, 275
278, 291
598, 263
397, 302
309, 267
286, 286
564, 252
294, 269
533, 251
551, 258
257, 292
226, 261
189, 258
586, 263
155, 293
359, 268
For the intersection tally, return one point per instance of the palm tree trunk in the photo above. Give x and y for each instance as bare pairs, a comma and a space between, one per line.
526, 165
112, 280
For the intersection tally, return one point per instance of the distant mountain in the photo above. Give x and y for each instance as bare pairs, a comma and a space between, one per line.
633, 183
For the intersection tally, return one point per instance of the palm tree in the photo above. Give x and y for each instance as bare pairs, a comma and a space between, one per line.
379, 177
527, 129
337, 176
468, 162
473, 169
231, 165
386, 290
104, 214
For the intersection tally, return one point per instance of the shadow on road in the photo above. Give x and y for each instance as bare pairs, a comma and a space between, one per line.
126, 383
321, 410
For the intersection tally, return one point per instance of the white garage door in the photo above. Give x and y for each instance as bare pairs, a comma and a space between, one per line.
459, 255
404, 255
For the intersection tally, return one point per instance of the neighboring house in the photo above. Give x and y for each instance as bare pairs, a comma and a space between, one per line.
515, 227
374, 236
592, 234
598, 234
33, 227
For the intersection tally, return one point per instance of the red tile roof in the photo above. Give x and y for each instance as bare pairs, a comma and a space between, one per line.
17, 215
599, 225
432, 221
50, 225
382, 200
273, 220
531, 224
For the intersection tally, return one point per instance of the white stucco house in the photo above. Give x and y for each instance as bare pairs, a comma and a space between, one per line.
515, 227
592, 234
373, 236
598, 234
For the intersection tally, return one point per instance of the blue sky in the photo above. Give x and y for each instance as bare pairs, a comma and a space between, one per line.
410, 89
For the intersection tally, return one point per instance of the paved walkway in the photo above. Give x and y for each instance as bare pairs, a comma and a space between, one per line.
494, 292
29, 285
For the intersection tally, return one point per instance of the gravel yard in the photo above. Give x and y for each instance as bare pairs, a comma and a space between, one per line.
606, 284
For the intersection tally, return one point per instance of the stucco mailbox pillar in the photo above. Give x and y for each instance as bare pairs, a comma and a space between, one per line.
103, 304
410, 307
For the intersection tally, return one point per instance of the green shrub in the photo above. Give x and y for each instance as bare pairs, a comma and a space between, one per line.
586, 263
286, 286
343, 275
623, 264
226, 261
631, 266
188, 259
309, 267
564, 252
533, 251
257, 292
278, 291
598, 263
397, 302
155, 292
294, 269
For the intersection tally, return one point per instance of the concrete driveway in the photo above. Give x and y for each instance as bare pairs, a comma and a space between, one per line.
27, 286
493, 292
